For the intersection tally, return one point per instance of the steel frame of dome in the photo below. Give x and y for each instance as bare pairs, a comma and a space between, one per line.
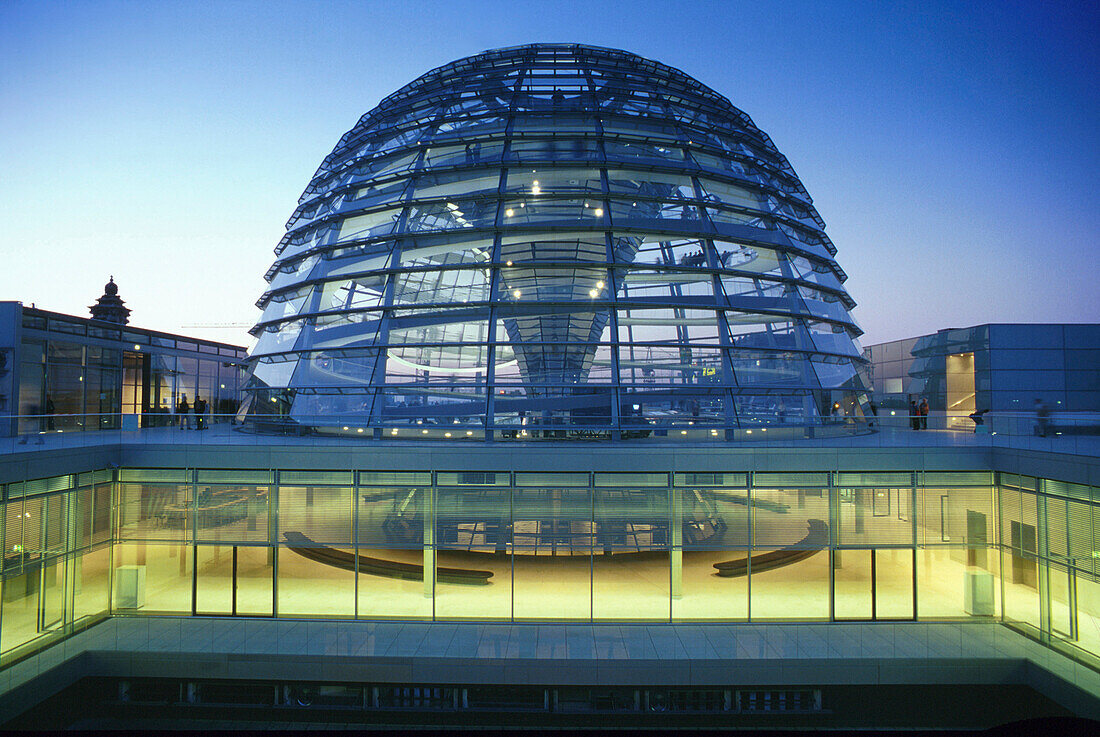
555, 240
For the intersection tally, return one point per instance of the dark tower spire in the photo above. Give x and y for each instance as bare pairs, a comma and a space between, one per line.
110, 307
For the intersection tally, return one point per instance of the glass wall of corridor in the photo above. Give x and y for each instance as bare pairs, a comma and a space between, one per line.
568, 547
72, 374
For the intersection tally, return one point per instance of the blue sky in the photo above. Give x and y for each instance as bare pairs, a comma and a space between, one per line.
951, 148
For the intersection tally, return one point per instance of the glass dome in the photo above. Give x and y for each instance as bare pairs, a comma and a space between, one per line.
555, 241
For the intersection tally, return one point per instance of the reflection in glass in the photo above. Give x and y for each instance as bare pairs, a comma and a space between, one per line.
616, 275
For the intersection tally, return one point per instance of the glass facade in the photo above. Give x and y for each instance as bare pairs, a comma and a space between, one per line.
555, 241
999, 368
74, 374
524, 546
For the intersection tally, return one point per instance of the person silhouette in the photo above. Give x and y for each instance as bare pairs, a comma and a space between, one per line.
183, 413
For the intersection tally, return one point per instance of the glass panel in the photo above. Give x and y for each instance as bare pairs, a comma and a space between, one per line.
705, 595
796, 587
316, 581
569, 211
155, 511
53, 594
1061, 614
631, 586
473, 532
948, 588
874, 516
553, 181
231, 512
957, 515
630, 578
254, 581
960, 390
214, 579
462, 589
852, 581
391, 584
389, 515
164, 568
20, 606
791, 517
716, 518
555, 149
552, 535
391, 555
1088, 612
894, 583
320, 514
90, 581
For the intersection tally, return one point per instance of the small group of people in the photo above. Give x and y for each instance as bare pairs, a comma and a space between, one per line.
918, 414
185, 411
695, 258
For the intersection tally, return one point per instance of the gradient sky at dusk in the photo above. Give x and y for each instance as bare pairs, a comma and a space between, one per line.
952, 148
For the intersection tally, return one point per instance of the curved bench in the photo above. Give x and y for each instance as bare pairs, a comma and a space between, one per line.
344, 560
817, 539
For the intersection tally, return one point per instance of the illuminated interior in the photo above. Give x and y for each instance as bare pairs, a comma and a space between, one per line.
555, 241
519, 546
960, 389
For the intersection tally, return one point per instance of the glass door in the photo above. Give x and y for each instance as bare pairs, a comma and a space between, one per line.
873, 584
853, 584
1063, 605
233, 579
894, 583
52, 599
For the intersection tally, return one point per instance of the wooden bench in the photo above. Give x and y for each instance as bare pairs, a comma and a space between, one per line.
817, 539
344, 560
